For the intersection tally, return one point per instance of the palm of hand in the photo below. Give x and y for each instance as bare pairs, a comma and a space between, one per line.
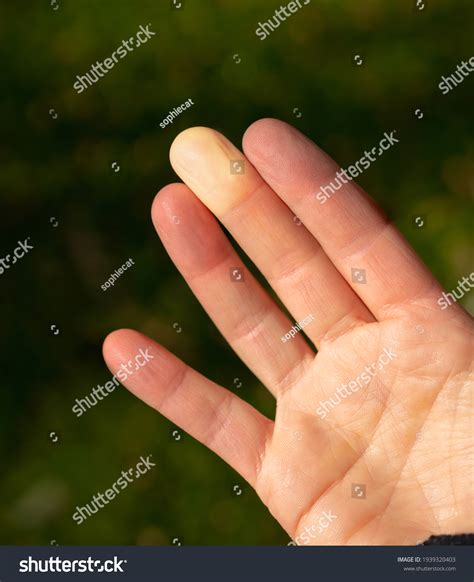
381, 463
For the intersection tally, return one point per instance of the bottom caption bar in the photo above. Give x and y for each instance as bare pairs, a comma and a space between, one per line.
143, 564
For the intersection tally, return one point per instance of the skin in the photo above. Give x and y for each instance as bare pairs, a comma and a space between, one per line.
406, 435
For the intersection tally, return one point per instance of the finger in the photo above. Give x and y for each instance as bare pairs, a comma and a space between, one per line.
230, 427
244, 313
287, 254
355, 234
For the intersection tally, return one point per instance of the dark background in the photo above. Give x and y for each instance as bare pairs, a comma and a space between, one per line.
56, 169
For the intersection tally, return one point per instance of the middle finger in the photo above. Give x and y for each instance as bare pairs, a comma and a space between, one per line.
284, 251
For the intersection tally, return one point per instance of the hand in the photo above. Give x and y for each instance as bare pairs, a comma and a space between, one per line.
372, 439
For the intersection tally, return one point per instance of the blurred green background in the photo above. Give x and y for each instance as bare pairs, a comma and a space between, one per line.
56, 166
